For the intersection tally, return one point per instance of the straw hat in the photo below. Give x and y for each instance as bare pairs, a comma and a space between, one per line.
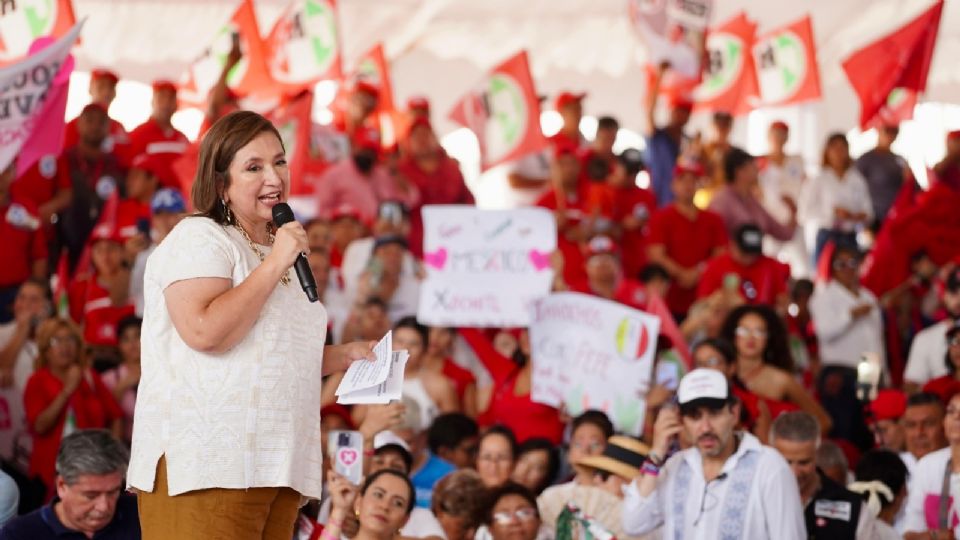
623, 457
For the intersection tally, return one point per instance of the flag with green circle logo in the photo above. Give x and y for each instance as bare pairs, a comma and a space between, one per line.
23, 21
504, 113
729, 81
786, 63
304, 45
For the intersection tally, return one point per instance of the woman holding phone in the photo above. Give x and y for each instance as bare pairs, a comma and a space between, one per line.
226, 438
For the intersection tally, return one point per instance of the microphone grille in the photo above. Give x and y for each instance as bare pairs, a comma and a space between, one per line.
282, 214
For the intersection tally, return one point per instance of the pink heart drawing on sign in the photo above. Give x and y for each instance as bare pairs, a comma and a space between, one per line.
437, 259
347, 456
539, 259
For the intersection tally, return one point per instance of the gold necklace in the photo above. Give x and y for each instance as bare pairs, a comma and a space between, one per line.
285, 278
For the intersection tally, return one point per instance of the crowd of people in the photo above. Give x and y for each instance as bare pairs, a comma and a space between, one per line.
772, 432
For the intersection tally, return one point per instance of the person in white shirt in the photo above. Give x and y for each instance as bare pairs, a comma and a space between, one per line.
849, 325
727, 485
934, 491
830, 510
781, 178
929, 347
835, 204
167, 208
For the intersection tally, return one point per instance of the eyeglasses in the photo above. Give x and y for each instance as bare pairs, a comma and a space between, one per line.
590, 447
496, 458
523, 514
955, 342
58, 341
849, 264
743, 331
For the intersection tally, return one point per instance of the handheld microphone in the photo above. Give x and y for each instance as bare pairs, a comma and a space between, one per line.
282, 214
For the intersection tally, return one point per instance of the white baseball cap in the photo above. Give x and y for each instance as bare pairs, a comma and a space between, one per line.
385, 438
703, 383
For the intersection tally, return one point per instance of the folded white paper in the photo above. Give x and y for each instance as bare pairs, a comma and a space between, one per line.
389, 390
365, 373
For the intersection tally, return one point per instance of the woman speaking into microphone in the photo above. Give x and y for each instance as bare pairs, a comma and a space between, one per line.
226, 437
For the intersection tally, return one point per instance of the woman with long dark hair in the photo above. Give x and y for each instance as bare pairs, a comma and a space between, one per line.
764, 364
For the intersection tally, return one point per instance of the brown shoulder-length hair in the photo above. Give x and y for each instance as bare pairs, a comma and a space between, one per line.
227, 136
834, 138
45, 333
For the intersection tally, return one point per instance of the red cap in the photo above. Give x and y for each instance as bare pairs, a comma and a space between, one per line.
101, 73
601, 245
953, 135
419, 122
106, 231
336, 409
780, 124
164, 84
418, 103
345, 211
366, 87
688, 167
157, 165
564, 147
889, 405
680, 101
566, 98
367, 138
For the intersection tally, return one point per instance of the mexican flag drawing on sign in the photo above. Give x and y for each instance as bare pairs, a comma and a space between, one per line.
23, 21
304, 45
786, 64
249, 76
729, 81
504, 113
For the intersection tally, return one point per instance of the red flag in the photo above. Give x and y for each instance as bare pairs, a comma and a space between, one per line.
504, 113
786, 64
899, 59
730, 81
668, 327
23, 22
249, 77
896, 109
374, 69
293, 122
304, 45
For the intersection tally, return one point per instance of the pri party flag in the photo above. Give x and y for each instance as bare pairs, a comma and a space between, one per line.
250, 77
899, 61
504, 113
24, 21
786, 63
304, 45
33, 96
729, 81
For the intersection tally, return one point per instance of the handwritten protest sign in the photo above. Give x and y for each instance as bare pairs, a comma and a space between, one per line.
484, 267
590, 353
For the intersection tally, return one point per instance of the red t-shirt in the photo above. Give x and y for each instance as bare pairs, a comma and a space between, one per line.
117, 141
519, 413
461, 378
577, 209
129, 214
633, 201
91, 307
150, 138
443, 186
43, 180
22, 241
760, 283
93, 407
688, 243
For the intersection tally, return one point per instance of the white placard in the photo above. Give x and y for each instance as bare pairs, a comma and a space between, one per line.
590, 353
485, 267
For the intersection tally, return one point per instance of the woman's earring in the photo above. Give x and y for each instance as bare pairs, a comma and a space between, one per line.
227, 214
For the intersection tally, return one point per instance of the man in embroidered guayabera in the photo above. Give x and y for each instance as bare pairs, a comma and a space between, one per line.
726, 485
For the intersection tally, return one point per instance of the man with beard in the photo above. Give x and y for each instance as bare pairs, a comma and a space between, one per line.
929, 347
830, 510
727, 485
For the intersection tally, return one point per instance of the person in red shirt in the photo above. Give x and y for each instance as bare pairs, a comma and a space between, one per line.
147, 174
63, 395
47, 184
360, 108
948, 385
24, 252
100, 297
948, 170
103, 90
683, 238
510, 404
157, 135
760, 279
418, 107
435, 174
569, 200
570, 108
94, 175
438, 358
597, 161
605, 277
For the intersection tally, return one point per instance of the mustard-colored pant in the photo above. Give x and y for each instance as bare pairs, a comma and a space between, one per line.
215, 514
